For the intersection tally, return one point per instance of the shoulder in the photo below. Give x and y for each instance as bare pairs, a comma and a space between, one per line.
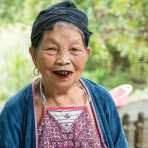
98, 91
92, 85
101, 97
18, 102
13, 118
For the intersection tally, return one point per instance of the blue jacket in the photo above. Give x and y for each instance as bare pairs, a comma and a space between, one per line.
17, 121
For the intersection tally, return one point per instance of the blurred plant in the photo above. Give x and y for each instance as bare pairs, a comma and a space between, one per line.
120, 41
16, 66
16, 73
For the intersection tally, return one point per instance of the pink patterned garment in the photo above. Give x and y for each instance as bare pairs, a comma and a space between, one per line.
67, 127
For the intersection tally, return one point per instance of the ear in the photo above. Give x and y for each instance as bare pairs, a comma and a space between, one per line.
88, 49
33, 54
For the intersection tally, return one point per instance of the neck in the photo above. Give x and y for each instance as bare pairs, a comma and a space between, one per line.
64, 96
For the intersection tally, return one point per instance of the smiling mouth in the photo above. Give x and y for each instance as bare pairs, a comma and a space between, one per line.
62, 73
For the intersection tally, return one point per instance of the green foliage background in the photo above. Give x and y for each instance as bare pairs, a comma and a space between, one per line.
119, 42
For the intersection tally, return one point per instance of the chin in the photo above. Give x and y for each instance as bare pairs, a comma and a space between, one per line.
65, 84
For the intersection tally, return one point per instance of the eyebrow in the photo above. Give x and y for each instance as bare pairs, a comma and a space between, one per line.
54, 41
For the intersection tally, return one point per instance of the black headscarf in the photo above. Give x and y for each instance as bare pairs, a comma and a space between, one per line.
64, 11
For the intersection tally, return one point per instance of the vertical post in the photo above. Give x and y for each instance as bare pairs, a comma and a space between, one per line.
125, 122
145, 134
139, 124
129, 130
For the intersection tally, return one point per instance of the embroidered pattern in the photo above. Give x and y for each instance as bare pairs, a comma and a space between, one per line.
65, 117
78, 133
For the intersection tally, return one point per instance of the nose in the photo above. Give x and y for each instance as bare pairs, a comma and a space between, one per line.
63, 58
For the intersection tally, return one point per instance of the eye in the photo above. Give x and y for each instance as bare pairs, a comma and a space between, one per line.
76, 51
51, 51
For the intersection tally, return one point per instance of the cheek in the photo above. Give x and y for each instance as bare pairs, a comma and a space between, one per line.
81, 62
44, 61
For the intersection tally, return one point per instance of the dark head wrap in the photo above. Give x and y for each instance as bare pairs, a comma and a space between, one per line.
64, 11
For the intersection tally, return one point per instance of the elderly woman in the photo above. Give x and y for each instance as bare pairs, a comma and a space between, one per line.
60, 109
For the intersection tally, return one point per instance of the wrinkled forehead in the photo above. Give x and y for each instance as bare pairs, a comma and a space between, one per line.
77, 34
63, 31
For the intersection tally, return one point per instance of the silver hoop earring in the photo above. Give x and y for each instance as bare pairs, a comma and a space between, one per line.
36, 72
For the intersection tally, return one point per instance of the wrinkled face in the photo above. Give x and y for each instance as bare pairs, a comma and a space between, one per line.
61, 56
